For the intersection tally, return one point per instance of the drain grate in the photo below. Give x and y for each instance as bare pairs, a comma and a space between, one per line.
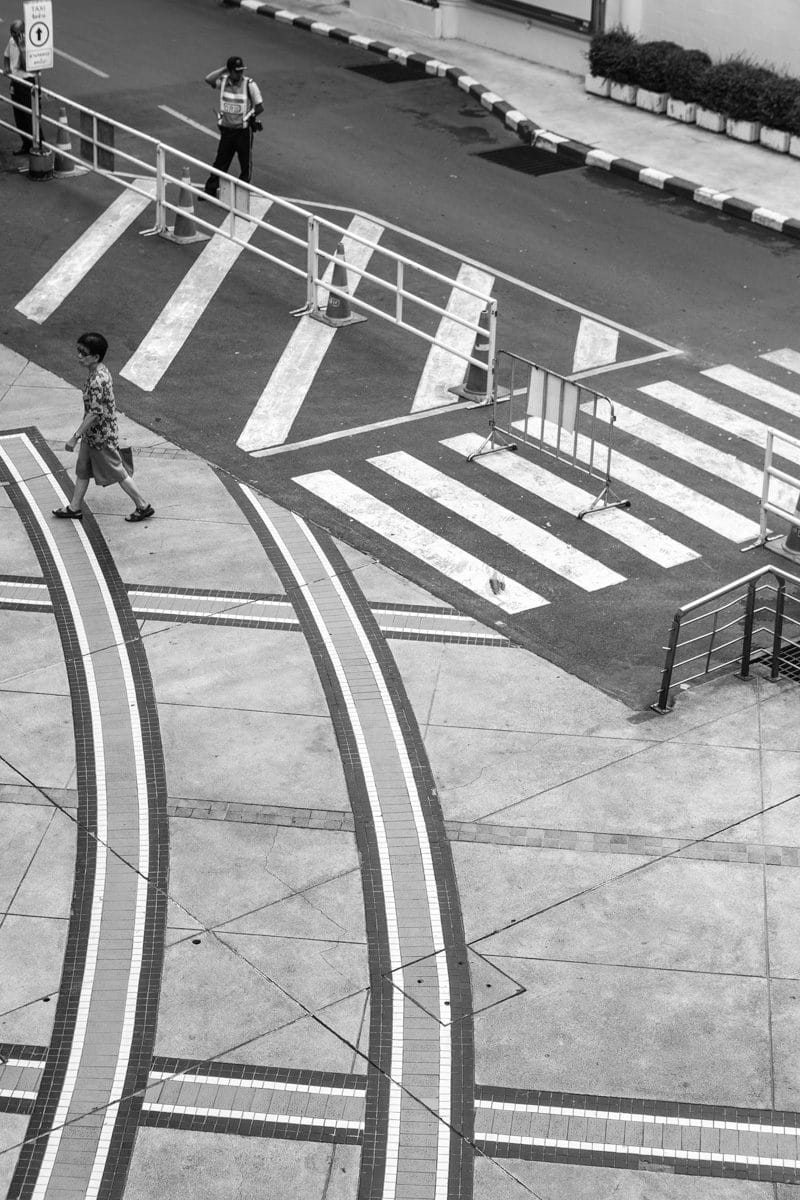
529, 160
391, 72
788, 662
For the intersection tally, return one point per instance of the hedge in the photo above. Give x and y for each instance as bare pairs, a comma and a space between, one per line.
736, 87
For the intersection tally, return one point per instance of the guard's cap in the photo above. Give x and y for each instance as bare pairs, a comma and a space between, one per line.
235, 63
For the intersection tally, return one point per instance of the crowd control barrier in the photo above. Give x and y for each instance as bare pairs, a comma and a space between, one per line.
536, 407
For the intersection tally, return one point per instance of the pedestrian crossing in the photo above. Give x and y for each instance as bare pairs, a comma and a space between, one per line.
524, 509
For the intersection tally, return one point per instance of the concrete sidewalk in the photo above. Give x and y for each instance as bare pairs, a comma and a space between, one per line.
623, 888
548, 105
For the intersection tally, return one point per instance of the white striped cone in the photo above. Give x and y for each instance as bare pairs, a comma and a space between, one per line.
476, 379
63, 166
790, 546
338, 311
184, 230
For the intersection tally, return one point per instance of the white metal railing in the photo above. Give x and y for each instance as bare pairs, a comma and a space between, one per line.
772, 450
400, 290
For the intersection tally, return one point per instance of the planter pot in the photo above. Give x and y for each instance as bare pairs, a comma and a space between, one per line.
682, 110
706, 118
794, 146
743, 131
654, 102
774, 139
597, 85
624, 93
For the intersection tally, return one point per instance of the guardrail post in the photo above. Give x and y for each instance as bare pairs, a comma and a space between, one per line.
747, 638
777, 633
161, 188
312, 252
661, 705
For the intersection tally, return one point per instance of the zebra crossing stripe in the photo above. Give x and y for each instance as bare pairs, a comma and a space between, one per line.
596, 345
271, 420
422, 543
64, 276
699, 454
535, 543
161, 344
790, 359
661, 488
758, 388
616, 523
444, 369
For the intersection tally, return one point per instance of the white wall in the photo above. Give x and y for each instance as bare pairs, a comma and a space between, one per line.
768, 31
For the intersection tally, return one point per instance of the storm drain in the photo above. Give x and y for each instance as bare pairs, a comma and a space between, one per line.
391, 72
529, 160
788, 662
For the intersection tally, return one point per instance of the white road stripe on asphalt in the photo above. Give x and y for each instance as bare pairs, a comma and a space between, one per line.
160, 345
80, 63
614, 522
277, 407
443, 369
449, 560
173, 112
535, 543
728, 420
790, 359
662, 489
53, 288
755, 386
699, 454
596, 345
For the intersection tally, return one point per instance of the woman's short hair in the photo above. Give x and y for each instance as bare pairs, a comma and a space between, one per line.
94, 343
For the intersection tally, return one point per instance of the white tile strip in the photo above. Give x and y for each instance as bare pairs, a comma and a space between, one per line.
657, 1152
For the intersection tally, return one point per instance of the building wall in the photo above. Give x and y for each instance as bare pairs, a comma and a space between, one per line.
768, 31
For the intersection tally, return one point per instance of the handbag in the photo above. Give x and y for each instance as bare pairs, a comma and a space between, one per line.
126, 454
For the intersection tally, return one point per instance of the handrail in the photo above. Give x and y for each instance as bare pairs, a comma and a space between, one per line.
778, 620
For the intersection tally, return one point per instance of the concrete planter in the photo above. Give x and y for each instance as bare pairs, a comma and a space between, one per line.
623, 93
774, 139
794, 146
654, 102
682, 110
743, 131
597, 85
706, 118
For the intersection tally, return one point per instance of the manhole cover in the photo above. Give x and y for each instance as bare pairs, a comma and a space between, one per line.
529, 160
391, 72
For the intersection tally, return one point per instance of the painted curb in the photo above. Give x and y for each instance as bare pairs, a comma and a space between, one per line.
532, 134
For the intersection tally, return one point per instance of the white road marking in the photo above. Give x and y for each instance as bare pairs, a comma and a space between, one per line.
758, 388
664, 490
444, 369
728, 420
65, 275
790, 359
160, 345
456, 564
623, 526
79, 63
173, 112
535, 543
272, 418
596, 345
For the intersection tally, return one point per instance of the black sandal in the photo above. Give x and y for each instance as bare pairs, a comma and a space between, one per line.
66, 511
141, 514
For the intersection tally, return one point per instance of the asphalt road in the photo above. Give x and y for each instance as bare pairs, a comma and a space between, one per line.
559, 245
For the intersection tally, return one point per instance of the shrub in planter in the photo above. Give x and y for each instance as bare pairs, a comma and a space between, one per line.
793, 119
734, 87
779, 100
684, 74
653, 64
614, 55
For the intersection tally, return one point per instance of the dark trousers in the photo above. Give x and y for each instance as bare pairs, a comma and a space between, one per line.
23, 117
232, 142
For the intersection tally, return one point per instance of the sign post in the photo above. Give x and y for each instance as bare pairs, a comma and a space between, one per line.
38, 15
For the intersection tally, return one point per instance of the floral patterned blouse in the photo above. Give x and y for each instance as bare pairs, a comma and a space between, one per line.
98, 398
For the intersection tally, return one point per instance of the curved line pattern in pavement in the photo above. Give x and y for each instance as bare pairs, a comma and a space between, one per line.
82, 1128
418, 1137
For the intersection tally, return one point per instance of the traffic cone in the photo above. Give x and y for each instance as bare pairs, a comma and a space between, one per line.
63, 168
790, 546
337, 311
183, 231
476, 378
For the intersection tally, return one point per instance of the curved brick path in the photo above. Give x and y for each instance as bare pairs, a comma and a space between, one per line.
419, 1105
81, 1131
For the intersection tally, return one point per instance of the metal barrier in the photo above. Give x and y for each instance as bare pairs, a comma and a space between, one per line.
768, 503
556, 415
749, 626
395, 285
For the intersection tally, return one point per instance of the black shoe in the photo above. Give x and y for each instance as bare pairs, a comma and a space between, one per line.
73, 514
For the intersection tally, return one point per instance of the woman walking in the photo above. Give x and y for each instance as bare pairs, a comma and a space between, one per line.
98, 456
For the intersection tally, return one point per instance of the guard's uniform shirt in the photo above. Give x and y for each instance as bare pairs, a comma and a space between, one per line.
237, 101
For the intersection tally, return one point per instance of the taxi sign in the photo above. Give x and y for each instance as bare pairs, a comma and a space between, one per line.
38, 34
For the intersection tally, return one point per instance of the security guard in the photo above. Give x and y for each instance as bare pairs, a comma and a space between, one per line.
240, 105
20, 81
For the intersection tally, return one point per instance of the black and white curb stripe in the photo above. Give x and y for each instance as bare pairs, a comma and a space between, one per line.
532, 134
